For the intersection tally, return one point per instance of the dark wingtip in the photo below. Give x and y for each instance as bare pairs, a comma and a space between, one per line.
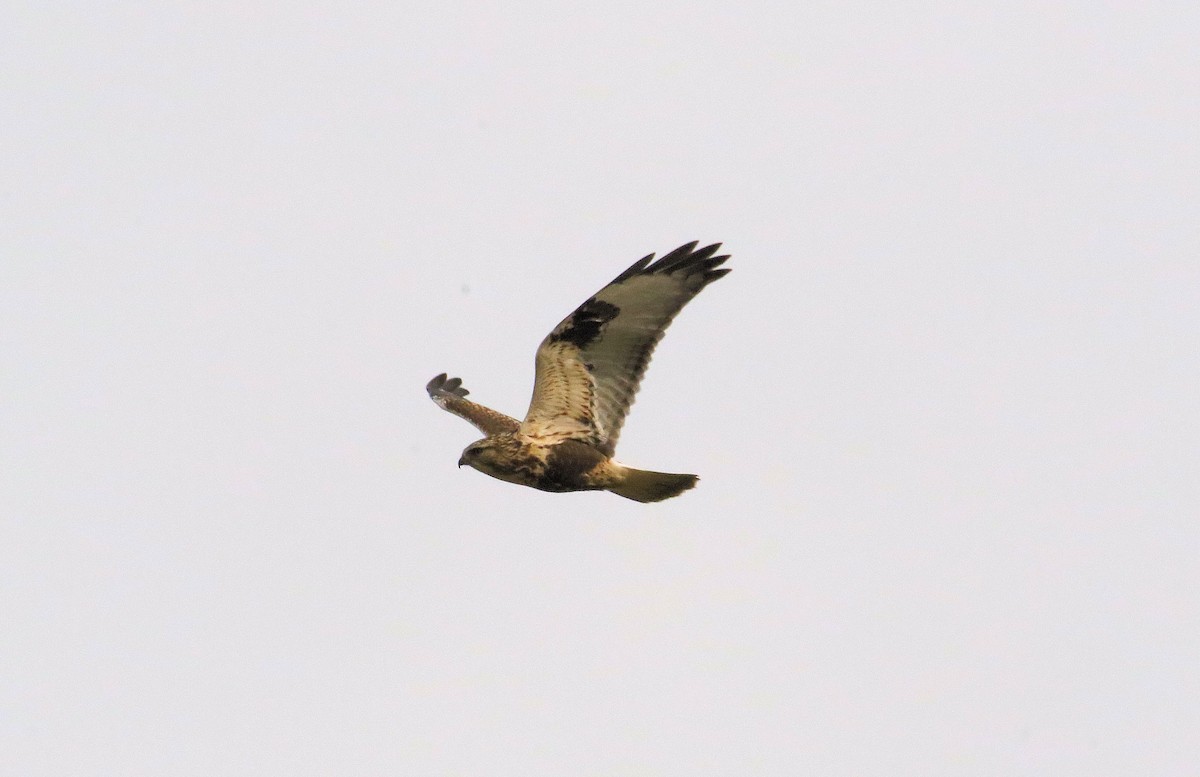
442, 384
689, 259
686, 259
711, 274
635, 268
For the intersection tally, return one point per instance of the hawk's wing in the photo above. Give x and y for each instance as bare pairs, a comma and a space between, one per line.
450, 395
589, 367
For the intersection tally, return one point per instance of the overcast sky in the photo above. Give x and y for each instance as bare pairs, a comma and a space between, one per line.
944, 409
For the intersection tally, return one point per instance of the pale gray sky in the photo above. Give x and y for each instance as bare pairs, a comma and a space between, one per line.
944, 409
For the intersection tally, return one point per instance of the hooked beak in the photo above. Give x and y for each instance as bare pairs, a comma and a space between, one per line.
461, 461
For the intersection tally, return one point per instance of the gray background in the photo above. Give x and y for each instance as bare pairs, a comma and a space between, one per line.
944, 408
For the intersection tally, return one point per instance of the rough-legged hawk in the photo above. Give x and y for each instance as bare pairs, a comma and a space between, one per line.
588, 370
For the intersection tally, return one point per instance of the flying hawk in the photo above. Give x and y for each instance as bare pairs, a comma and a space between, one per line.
588, 371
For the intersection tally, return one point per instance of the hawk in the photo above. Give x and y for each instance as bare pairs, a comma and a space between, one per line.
588, 370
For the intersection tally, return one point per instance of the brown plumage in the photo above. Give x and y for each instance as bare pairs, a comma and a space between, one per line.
588, 371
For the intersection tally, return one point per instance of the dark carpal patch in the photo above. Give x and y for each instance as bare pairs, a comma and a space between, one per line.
567, 464
586, 323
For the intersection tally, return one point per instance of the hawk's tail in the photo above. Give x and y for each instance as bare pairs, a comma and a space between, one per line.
645, 486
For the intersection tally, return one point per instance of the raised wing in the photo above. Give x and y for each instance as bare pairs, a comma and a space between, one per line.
450, 395
589, 368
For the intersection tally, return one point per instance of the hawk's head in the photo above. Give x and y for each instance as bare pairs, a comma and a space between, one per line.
498, 456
